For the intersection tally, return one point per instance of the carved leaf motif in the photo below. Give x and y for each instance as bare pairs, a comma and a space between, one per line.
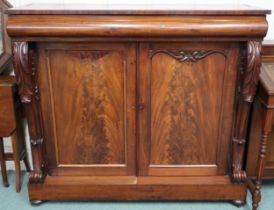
248, 85
251, 75
188, 55
23, 59
87, 56
20, 53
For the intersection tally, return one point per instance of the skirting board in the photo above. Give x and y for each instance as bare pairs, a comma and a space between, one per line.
137, 188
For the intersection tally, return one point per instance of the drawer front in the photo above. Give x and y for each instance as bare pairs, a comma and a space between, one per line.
187, 92
87, 92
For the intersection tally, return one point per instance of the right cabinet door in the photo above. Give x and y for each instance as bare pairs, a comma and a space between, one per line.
186, 103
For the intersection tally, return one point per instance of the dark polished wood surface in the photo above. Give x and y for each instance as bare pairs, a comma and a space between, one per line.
101, 129
259, 159
174, 129
266, 88
265, 99
268, 51
267, 77
5, 54
143, 26
11, 125
110, 95
7, 116
150, 9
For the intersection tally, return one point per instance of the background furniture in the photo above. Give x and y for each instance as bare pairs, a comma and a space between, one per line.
256, 120
262, 123
11, 125
137, 104
10, 109
5, 44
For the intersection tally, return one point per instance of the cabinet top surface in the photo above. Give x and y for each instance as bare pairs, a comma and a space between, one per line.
7, 81
267, 77
149, 9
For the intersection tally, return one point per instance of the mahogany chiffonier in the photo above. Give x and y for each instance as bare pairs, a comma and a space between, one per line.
138, 102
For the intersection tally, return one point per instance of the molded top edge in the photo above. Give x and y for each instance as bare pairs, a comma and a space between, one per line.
137, 9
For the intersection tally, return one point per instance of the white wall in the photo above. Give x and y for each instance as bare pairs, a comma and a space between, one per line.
267, 4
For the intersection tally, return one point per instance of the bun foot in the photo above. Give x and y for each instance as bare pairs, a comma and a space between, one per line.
254, 206
239, 203
6, 184
36, 202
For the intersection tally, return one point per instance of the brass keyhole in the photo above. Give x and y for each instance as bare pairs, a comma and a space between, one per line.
140, 107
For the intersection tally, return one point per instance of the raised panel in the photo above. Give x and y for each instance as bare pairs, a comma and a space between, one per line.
186, 111
90, 90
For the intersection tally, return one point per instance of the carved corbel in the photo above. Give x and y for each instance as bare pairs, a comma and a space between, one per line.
250, 70
25, 70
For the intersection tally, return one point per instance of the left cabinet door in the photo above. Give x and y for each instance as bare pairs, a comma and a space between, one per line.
87, 94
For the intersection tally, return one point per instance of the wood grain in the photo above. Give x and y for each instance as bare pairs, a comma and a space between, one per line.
268, 51
6, 51
267, 78
137, 96
179, 128
95, 130
250, 65
136, 26
264, 99
7, 116
183, 91
24, 60
148, 188
92, 96
11, 120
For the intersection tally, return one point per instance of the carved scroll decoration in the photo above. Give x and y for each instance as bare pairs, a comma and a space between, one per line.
25, 69
250, 70
187, 55
21, 65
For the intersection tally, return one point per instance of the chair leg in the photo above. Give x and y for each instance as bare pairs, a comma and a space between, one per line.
21, 137
16, 161
26, 162
266, 129
3, 164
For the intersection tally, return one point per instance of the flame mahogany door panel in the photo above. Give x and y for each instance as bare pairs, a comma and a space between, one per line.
87, 102
186, 92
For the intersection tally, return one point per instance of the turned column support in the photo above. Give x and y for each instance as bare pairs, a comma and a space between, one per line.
25, 69
267, 116
250, 69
